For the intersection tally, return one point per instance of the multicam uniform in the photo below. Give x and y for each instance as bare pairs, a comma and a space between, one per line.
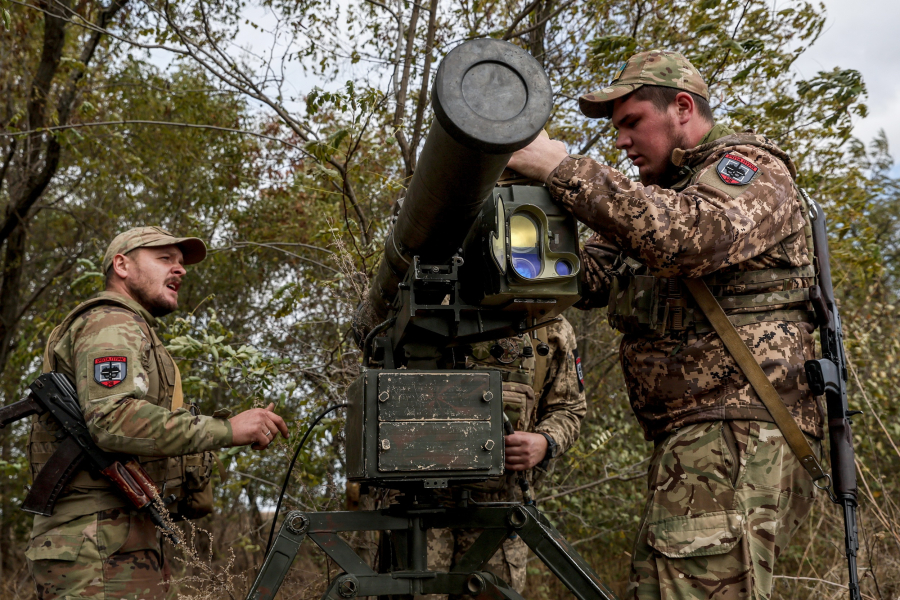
557, 410
129, 388
725, 491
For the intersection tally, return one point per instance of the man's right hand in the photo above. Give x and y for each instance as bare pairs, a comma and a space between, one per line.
257, 427
538, 159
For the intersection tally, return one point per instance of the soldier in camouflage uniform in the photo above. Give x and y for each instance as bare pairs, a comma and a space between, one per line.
543, 396
725, 492
95, 545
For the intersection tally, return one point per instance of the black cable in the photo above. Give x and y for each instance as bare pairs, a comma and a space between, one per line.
287, 477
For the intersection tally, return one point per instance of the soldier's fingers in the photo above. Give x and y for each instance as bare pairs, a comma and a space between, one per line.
516, 466
262, 440
280, 424
270, 429
270, 407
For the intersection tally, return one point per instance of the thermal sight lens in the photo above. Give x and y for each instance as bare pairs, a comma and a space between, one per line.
523, 237
563, 267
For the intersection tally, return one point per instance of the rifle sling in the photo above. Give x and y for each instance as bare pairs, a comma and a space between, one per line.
756, 376
55, 475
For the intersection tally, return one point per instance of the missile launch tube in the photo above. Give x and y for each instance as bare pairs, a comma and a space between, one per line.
490, 98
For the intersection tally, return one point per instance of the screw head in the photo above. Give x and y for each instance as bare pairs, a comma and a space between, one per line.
383, 396
385, 444
489, 445
487, 396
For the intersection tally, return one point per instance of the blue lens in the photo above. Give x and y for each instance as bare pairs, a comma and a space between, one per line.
563, 267
526, 265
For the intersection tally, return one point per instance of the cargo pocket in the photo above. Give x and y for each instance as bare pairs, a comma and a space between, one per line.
54, 547
705, 535
142, 535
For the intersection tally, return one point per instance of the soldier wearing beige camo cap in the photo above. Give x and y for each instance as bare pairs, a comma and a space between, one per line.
129, 388
725, 492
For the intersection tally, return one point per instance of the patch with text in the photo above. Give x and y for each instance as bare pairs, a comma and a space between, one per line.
110, 371
736, 170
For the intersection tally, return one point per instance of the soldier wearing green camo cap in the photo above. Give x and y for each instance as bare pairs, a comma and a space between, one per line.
129, 388
725, 492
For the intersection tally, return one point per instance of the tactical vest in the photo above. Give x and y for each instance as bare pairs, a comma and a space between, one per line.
515, 367
182, 476
659, 306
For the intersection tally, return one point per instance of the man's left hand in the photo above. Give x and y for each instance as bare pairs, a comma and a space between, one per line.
524, 450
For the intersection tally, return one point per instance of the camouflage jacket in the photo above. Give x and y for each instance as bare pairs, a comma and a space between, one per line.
125, 381
540, 394
703, 225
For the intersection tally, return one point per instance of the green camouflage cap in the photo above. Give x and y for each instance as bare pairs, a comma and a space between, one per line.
654, 67
193, 249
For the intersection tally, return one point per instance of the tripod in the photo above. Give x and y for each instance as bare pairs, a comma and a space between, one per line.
409, 521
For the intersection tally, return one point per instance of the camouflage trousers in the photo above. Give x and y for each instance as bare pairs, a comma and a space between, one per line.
110, 555
724, 500
446, 546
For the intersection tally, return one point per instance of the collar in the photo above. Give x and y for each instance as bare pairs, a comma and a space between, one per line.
132, 304
681, 157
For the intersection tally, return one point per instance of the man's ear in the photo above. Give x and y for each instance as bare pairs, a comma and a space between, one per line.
684, 107
120, 266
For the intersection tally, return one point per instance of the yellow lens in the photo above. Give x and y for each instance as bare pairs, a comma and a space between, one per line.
522, 232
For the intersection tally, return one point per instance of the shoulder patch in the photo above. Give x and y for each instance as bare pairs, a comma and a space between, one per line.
110, 371
578, 370
736, 170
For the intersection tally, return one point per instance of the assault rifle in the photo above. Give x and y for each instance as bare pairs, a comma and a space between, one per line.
53, 393
828, 376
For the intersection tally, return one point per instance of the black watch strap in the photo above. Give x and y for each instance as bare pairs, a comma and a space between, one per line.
552, 451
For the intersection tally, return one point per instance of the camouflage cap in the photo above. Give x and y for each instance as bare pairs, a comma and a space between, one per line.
193, 249
654, 67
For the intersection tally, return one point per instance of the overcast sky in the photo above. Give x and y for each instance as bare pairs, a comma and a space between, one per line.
864, 35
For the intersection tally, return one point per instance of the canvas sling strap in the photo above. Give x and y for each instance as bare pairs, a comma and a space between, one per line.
756, 376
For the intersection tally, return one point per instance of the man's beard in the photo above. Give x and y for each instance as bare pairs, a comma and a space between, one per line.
156, 306
669, 173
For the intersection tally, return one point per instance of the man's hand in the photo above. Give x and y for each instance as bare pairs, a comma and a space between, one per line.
257, 426
539, 158
524, 450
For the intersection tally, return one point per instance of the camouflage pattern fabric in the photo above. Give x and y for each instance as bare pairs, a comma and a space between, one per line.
110, 555
132, 416
655, 67
127, 417
724, 500
558, 411
92, 546
704, 226
446, 546
193, 249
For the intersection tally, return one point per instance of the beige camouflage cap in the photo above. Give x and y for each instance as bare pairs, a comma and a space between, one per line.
193, 249
654, 67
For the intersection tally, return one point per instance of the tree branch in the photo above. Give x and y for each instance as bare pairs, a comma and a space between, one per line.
633, 472
426, 74
540, 23
518, 18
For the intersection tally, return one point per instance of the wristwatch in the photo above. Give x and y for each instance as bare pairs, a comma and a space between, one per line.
552, 451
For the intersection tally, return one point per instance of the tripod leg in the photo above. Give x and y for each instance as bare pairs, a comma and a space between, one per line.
559, 556
280, 557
